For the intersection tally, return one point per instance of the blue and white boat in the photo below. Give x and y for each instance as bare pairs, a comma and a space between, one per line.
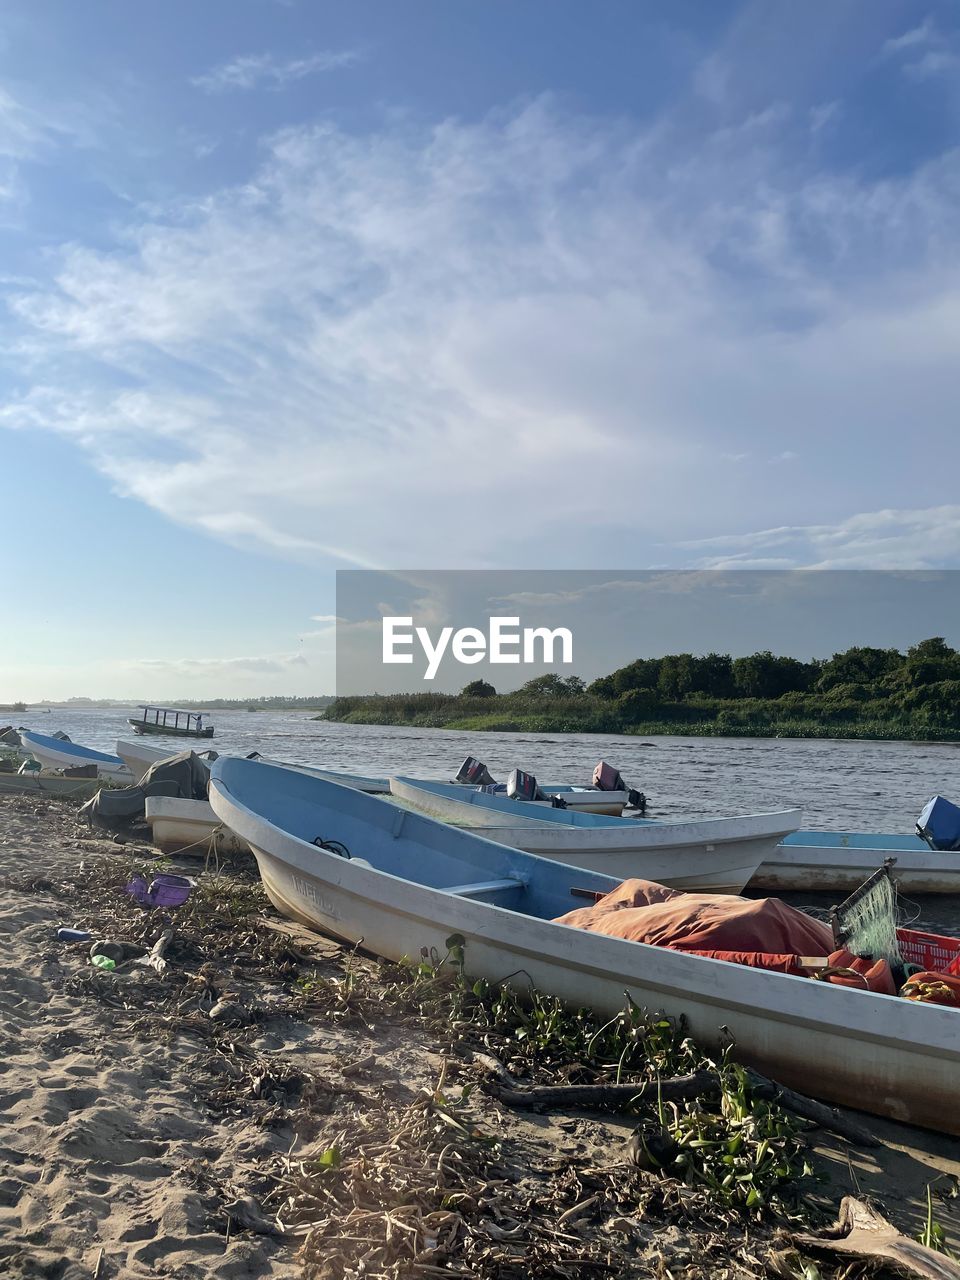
714, 855
60, 753
840, 861
401, 884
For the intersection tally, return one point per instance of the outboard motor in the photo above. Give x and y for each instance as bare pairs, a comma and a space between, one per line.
939, 825
607, 778
637, 800
523, 786
474, 773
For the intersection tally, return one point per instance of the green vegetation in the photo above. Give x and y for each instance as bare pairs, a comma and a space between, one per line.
748, 1154
860, 693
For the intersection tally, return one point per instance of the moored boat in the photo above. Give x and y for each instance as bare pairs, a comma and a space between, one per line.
718, 855
60, 753
407, 883
839, 861
166, 722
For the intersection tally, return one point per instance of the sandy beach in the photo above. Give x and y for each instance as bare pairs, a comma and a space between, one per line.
257, 1109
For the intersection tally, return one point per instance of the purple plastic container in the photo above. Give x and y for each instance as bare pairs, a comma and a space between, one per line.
164, 891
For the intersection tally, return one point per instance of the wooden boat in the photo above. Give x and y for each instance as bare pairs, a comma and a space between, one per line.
828, 861
716, 855
180, 825
58, 753
165, 722
412, 882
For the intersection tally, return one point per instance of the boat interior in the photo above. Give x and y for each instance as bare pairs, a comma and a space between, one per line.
513, 809
404, 843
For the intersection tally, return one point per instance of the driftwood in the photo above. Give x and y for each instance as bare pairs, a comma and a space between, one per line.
155, 956
861, 1232
678, 1089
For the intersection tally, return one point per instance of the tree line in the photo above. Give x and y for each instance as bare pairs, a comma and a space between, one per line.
860, 692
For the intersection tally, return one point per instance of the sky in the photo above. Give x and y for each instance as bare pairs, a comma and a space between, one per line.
290, 287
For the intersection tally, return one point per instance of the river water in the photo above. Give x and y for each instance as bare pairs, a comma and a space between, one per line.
860, 786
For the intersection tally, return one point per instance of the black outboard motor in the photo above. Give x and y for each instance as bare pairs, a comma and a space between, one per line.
523, 786
474, 773
939, 825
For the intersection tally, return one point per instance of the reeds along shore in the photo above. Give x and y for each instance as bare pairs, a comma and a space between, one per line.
861, 693
264, 1103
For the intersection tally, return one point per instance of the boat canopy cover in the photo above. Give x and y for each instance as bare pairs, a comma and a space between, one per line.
643, 911
939, 825
191, 774
183, 777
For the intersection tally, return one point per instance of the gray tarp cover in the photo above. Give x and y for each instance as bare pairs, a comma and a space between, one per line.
184, 776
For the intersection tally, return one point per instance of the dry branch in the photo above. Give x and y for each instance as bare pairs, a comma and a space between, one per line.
677, 1089
863, 1233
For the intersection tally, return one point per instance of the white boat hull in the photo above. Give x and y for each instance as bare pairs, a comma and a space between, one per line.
138, 757
48, 785
53, 758
179, 825
713, 855
812, 869
894, 1057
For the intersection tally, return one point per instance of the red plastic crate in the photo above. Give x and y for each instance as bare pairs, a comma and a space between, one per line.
935, 952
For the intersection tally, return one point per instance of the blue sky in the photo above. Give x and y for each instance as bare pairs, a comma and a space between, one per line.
290, 287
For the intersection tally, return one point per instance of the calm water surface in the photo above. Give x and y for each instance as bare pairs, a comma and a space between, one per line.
860, 786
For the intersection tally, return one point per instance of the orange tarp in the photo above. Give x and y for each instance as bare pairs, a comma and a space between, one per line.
643, 911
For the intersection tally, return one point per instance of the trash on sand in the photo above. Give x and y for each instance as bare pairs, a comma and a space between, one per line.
164, 891
110, 950
104, 962
73, 935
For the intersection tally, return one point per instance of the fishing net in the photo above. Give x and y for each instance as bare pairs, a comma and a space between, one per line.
866, 923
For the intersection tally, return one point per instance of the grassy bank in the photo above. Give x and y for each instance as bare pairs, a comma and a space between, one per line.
512, 713
860, 693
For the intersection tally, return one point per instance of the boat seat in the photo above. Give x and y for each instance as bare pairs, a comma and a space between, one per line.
483, 888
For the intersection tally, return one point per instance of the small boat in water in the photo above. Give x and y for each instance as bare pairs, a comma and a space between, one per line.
716, 855
61, 753
401, 884
839, 861
166, 722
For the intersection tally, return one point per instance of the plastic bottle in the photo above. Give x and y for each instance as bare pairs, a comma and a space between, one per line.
73, 935
104, 962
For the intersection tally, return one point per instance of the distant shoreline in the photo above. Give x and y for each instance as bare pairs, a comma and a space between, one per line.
496, 724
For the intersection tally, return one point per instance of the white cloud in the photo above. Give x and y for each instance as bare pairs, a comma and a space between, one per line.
890, 539
925, 51
253, 70
922, 34
533, 339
